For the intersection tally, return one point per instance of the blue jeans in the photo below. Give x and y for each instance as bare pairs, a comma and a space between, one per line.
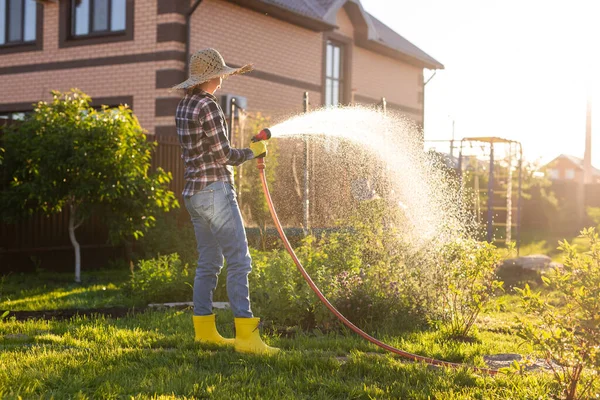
220, 232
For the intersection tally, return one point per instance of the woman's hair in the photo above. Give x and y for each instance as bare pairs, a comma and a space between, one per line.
194, 88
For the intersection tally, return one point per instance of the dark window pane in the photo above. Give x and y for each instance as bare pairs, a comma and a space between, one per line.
30, 17
15, 21
100, 15
2, 21
82, 17
117, 17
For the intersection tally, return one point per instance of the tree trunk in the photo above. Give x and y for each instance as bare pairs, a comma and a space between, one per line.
72, 227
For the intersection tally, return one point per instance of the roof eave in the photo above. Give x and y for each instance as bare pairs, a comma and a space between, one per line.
286, 15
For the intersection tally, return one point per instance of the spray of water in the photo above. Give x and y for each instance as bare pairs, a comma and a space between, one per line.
413, 180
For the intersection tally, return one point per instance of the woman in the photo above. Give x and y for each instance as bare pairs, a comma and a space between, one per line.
210, 199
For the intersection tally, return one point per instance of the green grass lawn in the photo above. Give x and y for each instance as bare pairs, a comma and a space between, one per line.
58, 291
153, 355
547, 243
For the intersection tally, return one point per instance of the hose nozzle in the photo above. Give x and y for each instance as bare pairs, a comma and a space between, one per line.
265, 134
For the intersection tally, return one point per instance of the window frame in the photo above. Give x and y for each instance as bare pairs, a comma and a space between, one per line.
22, 46
345, 44
67, 38
10, 115
341, 79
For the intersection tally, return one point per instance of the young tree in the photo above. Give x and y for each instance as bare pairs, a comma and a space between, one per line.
68, 155
569, 330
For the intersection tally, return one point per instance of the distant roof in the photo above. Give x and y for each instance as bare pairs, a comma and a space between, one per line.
577, 161
320, 15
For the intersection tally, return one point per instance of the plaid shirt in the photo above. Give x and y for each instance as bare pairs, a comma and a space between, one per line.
205, 148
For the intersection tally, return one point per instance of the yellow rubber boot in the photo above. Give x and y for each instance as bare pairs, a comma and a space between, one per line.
206, 330
247, 337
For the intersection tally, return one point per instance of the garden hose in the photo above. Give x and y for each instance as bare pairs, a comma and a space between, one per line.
344, 320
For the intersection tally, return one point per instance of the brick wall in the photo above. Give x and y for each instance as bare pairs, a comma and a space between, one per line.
123, 78
398, 82
276, 48
288, 61
375, 76
145, 22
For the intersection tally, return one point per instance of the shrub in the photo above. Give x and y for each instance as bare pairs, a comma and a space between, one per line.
569, 332
466, 283
371, 296
171, 234
279, 293
161, 279
594, 215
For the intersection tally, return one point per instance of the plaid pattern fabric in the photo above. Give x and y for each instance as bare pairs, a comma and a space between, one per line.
205, 148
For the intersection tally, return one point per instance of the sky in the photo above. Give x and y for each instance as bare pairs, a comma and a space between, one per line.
516, 69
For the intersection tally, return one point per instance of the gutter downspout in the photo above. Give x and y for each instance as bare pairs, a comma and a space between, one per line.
188, 23
423, 110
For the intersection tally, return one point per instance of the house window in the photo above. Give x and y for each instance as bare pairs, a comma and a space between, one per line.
17, 21
553, 174
334, 79
97, 17
570, 174
13, 116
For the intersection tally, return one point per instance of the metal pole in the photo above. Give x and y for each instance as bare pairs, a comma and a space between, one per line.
242, 130
306, 201
232, 107
490, 215
509, 186
452, 142
519, 198
460, 169
587, 158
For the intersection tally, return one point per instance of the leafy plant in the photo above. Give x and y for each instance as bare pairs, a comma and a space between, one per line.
172, 233
569, 332
594, 214
373, 293
467, 280
161, 279
68, 155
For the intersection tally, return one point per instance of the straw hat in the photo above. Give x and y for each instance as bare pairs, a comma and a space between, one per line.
207, 64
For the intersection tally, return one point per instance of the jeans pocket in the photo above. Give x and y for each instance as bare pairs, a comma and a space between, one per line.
203, 203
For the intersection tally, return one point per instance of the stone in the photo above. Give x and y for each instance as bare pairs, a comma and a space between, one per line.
534, 262
497, 361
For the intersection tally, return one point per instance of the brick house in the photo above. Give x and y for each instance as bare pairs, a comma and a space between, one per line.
565, 168
134, 51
